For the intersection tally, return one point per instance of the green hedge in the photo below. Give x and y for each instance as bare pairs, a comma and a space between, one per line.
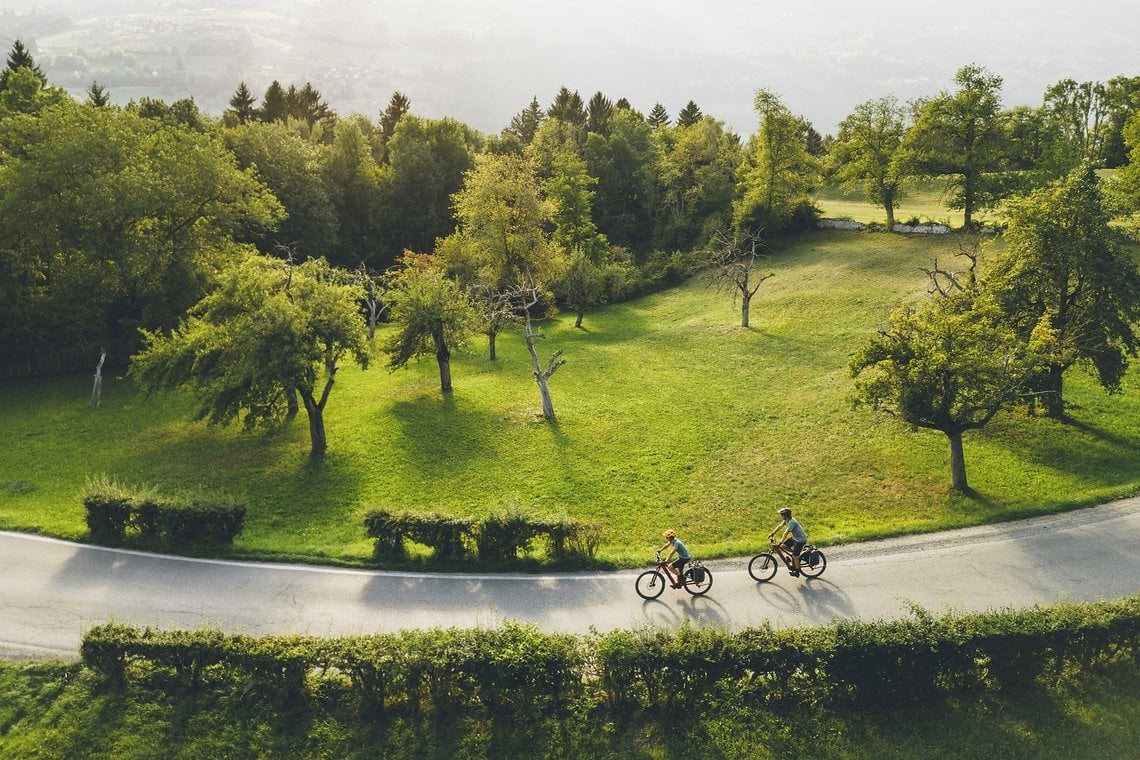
501, 538
516, 671
116, 511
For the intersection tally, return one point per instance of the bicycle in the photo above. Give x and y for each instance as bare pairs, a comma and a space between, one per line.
696, 579
763, 567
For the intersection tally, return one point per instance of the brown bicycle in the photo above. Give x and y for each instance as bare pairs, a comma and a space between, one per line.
763, 567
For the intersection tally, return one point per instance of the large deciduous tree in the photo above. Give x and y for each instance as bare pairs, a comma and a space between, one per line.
960, 136
430, 314
777, 172
1064, 269
110, 222
270, 329
949, 365
866, 149
696, 167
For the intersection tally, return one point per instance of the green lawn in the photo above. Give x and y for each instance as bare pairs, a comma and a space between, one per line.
669, 415
923, 199
53, 710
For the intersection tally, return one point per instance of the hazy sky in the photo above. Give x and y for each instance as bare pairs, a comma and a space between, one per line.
481, 61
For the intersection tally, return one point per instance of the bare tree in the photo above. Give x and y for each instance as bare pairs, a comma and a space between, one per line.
947, 281
529, 299
97, 390
496, 310
375, 296
730, 266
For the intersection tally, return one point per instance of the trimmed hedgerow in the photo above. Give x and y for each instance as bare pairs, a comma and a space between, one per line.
116, 512
516, 671
500, 538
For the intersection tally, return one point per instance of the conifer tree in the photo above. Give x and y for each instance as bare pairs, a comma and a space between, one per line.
98, 96
20, 58
241, 104
658, 117
274, 103
526, 122
689, 115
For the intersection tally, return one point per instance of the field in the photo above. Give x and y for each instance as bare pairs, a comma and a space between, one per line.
923, 200
669, 415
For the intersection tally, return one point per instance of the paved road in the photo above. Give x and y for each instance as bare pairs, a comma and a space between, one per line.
51, 591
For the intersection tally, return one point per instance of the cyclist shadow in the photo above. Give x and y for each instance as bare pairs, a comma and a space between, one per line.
697, 609
819, 600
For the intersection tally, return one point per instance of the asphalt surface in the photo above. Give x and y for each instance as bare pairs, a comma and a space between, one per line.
51, 591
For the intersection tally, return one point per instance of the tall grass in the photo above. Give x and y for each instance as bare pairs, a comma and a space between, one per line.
669, 415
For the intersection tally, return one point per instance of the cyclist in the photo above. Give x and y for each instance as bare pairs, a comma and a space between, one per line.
682, 553
794, 537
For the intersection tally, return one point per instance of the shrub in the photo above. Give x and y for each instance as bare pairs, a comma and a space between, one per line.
112, 508
388, 530
448, 536
108, 505
504, 534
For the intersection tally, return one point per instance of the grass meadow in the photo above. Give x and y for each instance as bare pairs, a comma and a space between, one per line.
922, 199
669, 415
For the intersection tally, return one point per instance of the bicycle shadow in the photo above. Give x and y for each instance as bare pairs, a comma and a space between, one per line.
696, 609
817, 600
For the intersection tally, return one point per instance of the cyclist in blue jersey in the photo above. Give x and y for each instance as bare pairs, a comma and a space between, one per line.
682, 553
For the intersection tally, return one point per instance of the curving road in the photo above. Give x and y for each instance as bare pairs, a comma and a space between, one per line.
51, 591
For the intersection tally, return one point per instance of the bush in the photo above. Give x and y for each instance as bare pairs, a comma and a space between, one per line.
108, 505
503, 535
112, 508
388, 530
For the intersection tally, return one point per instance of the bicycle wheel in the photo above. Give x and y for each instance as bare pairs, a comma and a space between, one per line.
650, 584
698, 588
763, 567
812, 563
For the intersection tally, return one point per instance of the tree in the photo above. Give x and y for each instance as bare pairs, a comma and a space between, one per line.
568, 107
98, 96
948, 365
1078, 111
427, 159
503, 238
429, 314
1064, 269
730, 264
625, 163
530, 297
778, 172
291, 167
598, 113
242, 104
354, 184
398, 106
20, 58
116, 222
689, 115
865, 152
960, 136
274, 103
307, 106
696, 167
270, 329
526, 122
658, 116
1121, 97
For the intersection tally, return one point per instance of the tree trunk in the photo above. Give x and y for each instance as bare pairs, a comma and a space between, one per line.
578, 321
97, 389
957, 463
889, 206
316, 424
544, 394
491, 344
291, 405
744, 304
443, 357
1054, 399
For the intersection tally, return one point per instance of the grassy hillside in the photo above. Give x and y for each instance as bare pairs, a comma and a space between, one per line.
669, 415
